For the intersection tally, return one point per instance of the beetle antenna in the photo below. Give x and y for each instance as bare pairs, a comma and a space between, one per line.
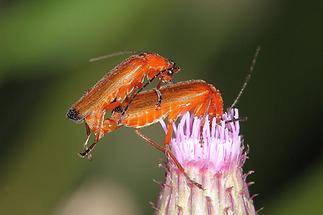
252, 66
113, 55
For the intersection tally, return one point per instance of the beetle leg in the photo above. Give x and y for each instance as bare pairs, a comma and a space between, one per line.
168, 134
159, 84
108, 125
88, 134
159, 97
171, 155
136, 90
149, 140
112, 106
98, 134
87, 129
172, 116
202, 110
86, 153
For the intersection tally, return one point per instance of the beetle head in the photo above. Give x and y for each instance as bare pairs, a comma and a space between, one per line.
167, 75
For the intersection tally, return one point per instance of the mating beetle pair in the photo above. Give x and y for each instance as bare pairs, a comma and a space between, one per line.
119, 94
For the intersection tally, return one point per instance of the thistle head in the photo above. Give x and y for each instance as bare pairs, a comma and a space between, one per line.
212, 154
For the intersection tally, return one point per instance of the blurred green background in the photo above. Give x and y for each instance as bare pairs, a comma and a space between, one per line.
44, 68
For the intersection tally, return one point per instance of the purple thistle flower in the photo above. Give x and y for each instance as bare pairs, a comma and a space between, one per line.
213, 157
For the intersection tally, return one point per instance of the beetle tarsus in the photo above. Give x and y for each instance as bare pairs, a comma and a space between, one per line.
86, 154
87, 151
